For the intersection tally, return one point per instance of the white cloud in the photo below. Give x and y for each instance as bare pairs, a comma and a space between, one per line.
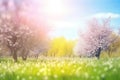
106, 15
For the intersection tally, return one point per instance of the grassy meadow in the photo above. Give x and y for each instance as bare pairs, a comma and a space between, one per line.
60, 69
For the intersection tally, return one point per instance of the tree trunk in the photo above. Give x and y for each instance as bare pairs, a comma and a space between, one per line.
24, 55
98, 53
109, 53
24, 58
14, 54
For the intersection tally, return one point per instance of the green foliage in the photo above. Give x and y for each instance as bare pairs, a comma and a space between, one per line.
60, 69
61, 47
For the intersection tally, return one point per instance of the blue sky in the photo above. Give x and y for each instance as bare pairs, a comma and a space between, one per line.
68, 17
80, 11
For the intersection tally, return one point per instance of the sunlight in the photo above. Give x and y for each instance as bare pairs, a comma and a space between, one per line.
46, 10
55, 7
59, 40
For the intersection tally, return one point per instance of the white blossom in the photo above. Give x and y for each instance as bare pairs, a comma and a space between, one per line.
98, 35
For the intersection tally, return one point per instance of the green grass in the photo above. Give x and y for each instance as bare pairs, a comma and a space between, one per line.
60, 69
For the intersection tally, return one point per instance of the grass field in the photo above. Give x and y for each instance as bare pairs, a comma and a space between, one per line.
60, 69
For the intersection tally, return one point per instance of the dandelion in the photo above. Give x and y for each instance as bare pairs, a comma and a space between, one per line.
114, 70
22, 71
105, 69
38, 74
77, 73
46, 78
18, 77
111, 66
119, 65
97, 77
86, 75
103, 76
55, 76
62, 71
95, 70
37, 65
79, 68
30, 77
23, 79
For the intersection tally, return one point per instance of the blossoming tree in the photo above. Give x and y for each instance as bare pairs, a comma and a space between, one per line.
18, 31
96, 38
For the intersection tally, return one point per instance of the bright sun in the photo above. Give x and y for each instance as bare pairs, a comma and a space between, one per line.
55, 7
49, 8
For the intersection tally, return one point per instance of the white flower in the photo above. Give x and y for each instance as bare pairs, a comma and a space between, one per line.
30, 77
23, 79
46, 78
55, 76
86, 75
103, 75
18, 77
106, 68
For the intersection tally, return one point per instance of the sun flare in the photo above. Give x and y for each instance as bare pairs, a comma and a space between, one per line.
55, 7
